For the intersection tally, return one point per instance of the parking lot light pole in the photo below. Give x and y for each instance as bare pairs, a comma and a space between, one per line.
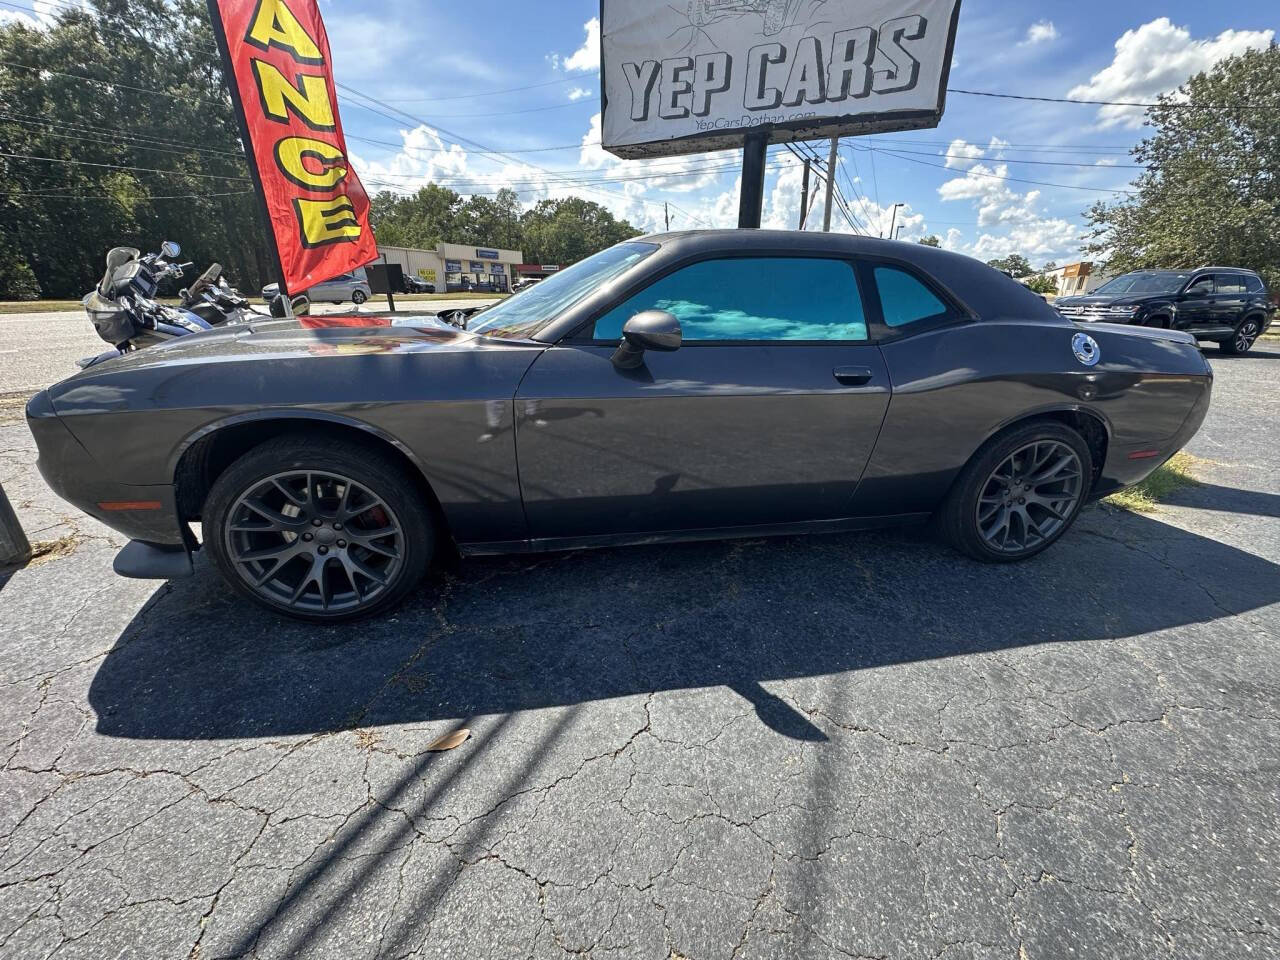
14, 546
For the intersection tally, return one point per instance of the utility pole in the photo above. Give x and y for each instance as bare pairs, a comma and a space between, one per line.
666, 213
14, 548
804, 194
898, 232
831, 183
894, 219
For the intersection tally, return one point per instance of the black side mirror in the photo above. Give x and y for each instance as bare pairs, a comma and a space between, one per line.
650, 330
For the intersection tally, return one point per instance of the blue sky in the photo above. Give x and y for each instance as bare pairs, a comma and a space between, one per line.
442, 63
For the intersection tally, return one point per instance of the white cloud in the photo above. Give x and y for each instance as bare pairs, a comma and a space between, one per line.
586, 57
1010, 222
1157, 58
43, 14
1042, 31
962, 155
577, 93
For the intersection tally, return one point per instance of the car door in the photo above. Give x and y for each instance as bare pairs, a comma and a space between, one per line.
1230, 299
766, 415
1195, 305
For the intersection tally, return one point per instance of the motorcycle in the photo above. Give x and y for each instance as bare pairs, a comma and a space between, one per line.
215, 301
126, 315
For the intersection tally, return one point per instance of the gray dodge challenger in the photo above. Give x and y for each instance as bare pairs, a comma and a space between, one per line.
676, 387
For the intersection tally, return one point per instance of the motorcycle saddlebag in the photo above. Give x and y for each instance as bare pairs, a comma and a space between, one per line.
114, 325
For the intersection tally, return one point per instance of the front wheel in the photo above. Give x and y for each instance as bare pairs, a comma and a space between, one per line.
1243, 339
358, 297
319, 529
1019, 494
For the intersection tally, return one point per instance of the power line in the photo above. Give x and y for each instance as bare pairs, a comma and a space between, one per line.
116, 166
474, 143
119, 140
30, 120
1093, 103
143, 199
989, 176
110, 83
490, 93
1040, 163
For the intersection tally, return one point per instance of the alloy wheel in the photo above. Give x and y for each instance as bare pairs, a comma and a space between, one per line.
1246, 336
1030, 497
314, 542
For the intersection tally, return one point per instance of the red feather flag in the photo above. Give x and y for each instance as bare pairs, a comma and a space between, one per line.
276, 57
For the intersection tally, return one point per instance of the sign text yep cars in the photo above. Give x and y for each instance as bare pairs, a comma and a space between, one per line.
690, 77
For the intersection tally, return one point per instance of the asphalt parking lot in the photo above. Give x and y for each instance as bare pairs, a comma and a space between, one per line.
856, 746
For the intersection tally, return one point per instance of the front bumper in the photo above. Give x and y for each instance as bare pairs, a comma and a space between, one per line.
145, 513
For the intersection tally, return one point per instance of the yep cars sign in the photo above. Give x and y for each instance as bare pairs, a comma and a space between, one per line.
692, 76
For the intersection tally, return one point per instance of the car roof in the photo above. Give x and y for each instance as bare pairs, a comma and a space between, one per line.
987, 293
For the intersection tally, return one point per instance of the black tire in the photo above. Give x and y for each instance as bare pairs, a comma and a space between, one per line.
958, 519
1243, 339
358, 297
380, 570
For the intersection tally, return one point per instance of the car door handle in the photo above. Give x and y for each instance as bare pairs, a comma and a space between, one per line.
853, 376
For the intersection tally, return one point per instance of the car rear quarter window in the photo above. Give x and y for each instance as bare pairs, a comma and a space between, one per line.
905, 300
1255, 285
755, 299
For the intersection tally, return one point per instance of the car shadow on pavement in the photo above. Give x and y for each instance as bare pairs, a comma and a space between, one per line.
514, 634
1210, 496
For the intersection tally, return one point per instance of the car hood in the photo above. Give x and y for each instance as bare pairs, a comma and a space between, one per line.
1114, 300
299, 338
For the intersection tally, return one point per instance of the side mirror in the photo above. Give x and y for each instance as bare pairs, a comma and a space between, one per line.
650, 330
170, 250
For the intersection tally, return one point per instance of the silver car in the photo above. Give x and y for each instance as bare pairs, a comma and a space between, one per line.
349, 286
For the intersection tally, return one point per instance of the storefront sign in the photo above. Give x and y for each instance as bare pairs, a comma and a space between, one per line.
276, 57
690, 77
497, 268
487, 254
477, 267
453, 266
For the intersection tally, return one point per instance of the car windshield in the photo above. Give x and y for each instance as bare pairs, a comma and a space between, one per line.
522, 315
1164, 282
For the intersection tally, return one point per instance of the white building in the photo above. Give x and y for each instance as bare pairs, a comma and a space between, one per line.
1078, 279
456, 267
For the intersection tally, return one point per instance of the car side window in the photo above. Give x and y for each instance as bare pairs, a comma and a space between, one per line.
1255, 285
766, 299
1230, 283
905, 300
1201, 287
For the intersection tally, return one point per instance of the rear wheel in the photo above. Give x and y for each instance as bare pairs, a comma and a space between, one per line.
1019, 494
358, 297
319, 529
1243, 339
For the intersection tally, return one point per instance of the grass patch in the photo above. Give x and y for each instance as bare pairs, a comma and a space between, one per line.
1146, 496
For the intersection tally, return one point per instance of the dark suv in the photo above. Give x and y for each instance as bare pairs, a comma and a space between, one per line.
1227, 305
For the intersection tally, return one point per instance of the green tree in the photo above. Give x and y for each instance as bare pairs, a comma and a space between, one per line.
1016, 265
167, 109
930, 241
491, 221
1211, 191
568, 230
422, 219
1041, 284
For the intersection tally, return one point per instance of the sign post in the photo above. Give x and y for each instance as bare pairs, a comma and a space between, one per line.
721, 74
